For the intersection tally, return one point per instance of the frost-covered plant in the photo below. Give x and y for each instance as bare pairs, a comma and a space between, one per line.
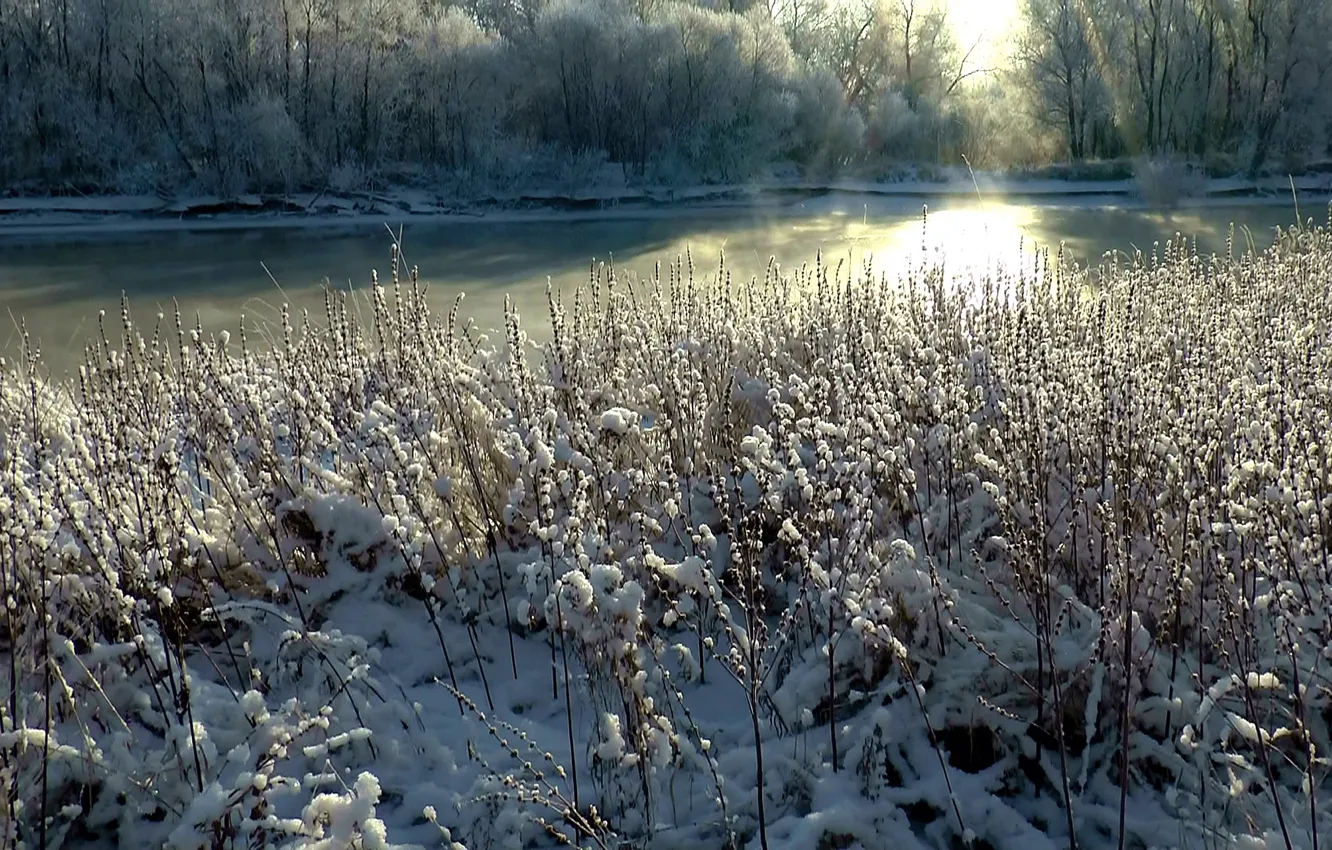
1034, 555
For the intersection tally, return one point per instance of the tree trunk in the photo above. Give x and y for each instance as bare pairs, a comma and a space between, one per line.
286, 55
333, 90
4, 46
365, 106
305, 80
141, 76
215, 151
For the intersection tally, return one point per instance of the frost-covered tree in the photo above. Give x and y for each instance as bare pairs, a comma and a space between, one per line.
1148, 78
900, 64
1280, 50
1062, 53
573, 64
228, 96
452, 111
1243, 80
827, 131
805, 24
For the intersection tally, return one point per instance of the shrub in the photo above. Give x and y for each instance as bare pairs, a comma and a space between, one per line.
1163, 183
1036, 558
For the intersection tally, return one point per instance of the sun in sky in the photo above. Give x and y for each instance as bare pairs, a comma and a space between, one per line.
986, 23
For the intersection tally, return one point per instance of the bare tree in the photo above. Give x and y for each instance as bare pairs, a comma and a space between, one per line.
1282, 53
1059, 63
804, 23
904, 45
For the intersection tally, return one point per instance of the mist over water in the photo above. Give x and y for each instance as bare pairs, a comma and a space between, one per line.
57, 284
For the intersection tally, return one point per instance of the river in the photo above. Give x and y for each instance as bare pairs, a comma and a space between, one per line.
57, 281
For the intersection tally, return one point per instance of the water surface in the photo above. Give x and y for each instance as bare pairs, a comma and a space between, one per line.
58, 282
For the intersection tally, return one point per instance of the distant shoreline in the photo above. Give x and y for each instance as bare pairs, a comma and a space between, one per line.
110, 214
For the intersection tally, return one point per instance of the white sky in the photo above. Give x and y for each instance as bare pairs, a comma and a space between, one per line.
989, 20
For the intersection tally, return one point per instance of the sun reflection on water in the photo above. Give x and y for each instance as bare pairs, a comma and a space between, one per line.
967, 244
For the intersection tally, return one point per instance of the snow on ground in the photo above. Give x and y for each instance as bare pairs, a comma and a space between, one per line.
310, 209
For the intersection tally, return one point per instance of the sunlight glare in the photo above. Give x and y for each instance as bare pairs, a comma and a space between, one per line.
987, 24
967, 241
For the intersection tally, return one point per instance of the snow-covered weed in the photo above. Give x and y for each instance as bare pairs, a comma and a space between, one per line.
1036, 556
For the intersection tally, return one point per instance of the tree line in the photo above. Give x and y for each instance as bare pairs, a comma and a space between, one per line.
1237, 80
244, 95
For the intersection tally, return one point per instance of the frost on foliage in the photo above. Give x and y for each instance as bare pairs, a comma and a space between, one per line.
335, 821
618, 421
941, 535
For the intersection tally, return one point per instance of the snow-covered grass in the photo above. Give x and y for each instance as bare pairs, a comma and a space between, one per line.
825, 559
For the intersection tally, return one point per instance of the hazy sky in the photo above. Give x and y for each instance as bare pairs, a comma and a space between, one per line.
989, 20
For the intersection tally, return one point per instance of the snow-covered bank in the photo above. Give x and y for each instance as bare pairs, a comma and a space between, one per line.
314, 209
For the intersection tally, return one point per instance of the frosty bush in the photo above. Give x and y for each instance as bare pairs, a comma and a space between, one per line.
1032, 558
1164, 182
